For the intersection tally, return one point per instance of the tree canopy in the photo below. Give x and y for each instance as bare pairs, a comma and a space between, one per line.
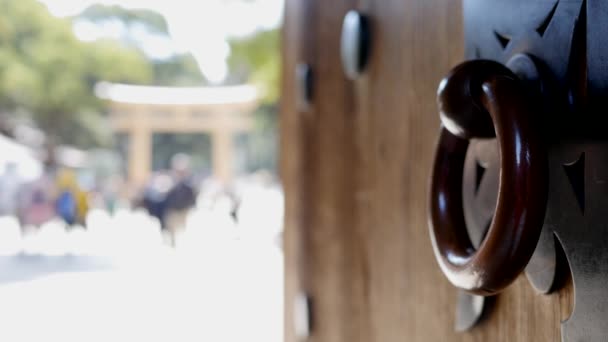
47, 73
178, 69
256, 58
152, 21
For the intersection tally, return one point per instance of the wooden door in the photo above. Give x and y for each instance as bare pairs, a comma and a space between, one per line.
356, 166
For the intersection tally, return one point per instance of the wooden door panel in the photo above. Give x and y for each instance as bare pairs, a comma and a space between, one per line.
319, 166
356, 169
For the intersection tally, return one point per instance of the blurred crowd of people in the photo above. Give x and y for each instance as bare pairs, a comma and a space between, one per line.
61, 193
170, 195
55, 194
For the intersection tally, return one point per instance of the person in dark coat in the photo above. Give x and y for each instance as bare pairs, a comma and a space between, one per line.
181, 198
154, 196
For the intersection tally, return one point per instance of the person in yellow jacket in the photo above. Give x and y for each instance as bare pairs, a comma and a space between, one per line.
74, 209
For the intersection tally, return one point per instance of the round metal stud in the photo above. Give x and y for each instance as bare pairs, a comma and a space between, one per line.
304, 87
302, 316
355, 44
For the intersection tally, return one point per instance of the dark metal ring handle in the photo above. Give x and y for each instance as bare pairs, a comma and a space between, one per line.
484, 99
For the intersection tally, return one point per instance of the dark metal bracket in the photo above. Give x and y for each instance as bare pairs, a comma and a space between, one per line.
569, 40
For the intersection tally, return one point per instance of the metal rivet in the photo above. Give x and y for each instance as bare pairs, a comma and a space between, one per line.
524, 66
355, 43
304, 87
302, 316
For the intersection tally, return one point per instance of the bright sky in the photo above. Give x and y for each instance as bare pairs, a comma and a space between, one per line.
200, 27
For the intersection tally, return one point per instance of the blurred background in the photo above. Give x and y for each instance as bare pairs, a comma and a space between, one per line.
139, 195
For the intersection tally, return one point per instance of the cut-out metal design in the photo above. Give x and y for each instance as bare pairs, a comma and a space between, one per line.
543, 26
542, 268
518, 20
469, 310
479, 172
477, 53
584, 237
576, 175
568, 41
502, 39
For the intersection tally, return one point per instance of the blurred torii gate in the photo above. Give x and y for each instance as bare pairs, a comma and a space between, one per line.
141, 111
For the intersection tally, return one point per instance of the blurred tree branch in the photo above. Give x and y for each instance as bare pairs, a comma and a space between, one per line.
256, 59
47, 72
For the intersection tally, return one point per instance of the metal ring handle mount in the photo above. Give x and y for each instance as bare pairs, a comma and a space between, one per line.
483, 99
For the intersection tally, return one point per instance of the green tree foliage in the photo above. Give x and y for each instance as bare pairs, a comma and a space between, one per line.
256, 59
260, 147
179, 69
153, 21
47, 72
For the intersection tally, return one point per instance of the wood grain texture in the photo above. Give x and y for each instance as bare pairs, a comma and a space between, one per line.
355, 169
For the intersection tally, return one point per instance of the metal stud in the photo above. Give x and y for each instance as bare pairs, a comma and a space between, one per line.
355, 44
302, 316
304, 87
